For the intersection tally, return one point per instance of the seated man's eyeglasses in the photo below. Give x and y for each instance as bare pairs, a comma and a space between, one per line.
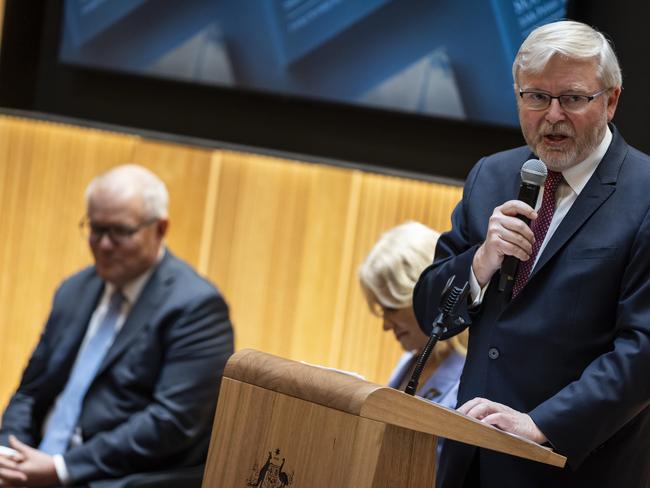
570, 102
118, 234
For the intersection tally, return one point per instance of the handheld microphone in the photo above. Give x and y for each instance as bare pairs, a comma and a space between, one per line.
533, 175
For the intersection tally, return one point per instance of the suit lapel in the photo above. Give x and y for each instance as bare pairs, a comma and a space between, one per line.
72, 333
600, 187
139, 319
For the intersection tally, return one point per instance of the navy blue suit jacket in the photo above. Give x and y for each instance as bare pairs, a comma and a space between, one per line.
573, 348
152, 402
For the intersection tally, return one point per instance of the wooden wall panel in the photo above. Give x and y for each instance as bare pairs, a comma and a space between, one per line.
44, 169
186, 172
385, 201
279, 235
282, 239
288, 240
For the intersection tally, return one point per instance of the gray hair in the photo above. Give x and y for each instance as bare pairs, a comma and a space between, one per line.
130, 180
391, 269
573, 40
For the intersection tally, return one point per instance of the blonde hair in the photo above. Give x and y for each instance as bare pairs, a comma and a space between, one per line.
131, 179
392, 268
573, 40
394, 264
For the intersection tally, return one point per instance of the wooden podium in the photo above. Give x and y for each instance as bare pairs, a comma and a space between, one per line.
284, 423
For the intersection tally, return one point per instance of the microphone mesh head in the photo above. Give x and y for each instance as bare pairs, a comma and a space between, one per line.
534, 172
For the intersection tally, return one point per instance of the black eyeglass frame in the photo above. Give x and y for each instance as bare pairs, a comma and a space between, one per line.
566, 96
118, 234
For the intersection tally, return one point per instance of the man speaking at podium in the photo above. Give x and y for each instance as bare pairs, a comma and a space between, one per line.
562, 355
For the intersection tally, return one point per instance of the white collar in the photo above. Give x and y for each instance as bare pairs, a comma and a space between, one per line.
577, 176
133, 288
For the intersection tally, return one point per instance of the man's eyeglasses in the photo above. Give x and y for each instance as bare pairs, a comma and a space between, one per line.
571, 103
118, 234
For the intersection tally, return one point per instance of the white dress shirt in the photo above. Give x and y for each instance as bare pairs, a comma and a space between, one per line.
131, 292
575, 179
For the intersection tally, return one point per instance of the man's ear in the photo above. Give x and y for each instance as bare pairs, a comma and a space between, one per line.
161, 228
612, 102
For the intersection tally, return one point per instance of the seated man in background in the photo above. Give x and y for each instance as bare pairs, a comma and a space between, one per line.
388, 276
124, 379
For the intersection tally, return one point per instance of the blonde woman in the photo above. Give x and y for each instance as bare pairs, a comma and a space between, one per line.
388, 276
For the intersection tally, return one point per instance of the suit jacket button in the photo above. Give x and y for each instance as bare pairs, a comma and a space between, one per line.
493, 353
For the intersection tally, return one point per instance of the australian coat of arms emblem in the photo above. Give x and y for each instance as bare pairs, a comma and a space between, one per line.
271, 474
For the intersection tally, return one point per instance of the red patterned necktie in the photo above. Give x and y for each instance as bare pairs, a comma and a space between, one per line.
540, 227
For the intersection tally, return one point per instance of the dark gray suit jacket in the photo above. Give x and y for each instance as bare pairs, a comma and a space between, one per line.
573, 348
152, 402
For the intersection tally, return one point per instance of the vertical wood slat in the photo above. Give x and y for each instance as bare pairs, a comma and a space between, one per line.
209, 214
187, 173
348, 265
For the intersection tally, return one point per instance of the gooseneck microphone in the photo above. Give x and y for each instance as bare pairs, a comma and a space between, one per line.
450, 298
533, 176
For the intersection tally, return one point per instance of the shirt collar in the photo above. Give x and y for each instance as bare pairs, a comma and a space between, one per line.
577, 176
133, 288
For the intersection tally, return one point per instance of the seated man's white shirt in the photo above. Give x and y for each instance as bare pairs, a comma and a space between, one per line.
131, 292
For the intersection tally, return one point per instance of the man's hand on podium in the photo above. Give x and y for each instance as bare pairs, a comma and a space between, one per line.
504, 418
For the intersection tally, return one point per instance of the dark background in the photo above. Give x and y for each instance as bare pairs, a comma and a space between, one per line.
33, 80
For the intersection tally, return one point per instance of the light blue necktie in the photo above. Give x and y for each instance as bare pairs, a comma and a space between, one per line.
65, 417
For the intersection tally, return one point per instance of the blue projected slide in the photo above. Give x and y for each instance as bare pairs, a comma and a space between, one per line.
303, 25
447, 58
